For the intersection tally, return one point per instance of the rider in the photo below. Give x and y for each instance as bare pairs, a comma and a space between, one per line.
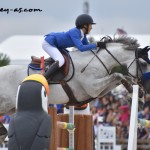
75, 37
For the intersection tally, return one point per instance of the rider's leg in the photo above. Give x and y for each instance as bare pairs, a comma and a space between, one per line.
52, 69
54, 53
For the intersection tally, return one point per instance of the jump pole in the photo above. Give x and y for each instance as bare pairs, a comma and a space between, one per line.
132, 141
71, 132
81, 139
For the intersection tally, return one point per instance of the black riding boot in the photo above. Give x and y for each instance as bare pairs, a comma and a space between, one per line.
52, 69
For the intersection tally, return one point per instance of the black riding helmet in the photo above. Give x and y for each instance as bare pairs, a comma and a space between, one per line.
83, 19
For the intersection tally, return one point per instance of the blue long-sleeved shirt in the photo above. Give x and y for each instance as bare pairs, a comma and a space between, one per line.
71, 38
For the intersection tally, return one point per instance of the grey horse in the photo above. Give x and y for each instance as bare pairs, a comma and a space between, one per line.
94, 81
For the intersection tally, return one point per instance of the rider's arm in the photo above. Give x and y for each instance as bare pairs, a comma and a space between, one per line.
75, 36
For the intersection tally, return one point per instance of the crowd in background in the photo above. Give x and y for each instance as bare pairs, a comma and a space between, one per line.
114, 109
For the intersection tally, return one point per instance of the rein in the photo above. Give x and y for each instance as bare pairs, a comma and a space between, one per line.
101, 62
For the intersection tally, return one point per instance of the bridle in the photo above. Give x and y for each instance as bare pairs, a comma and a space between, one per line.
136, 59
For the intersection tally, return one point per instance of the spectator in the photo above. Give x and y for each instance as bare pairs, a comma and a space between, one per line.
144, 113
147, 100
104, 114
111, 100
96, 103
124, 115
124, 121
103, 102
143, 132
110, 117
94, 113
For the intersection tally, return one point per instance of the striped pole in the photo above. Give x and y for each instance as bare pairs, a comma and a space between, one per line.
144, 122
65, 125
71, 132
64, 148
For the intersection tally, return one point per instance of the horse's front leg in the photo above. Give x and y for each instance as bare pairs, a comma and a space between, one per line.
111, 81
100, 86
129, 82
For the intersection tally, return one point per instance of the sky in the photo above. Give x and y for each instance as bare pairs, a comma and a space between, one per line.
59, 15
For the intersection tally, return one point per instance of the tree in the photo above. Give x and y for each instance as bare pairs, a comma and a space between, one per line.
4, 60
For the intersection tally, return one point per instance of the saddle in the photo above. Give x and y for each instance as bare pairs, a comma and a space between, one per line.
42, 64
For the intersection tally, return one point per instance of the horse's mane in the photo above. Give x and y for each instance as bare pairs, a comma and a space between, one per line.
129, 42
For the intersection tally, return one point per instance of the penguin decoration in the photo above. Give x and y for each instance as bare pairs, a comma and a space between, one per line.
30, 126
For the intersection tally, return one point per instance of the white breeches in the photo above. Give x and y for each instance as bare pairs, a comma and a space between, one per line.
53, 52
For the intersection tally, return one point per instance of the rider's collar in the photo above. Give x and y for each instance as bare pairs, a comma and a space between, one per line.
82, 34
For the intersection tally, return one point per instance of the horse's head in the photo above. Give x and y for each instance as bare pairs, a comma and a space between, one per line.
126, 54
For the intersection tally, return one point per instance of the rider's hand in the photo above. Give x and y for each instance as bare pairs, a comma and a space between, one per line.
101, 45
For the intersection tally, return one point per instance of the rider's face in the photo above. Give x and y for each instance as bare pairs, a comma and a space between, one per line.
89, 28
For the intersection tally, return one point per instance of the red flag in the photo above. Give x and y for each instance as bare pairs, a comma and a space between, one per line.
121, 31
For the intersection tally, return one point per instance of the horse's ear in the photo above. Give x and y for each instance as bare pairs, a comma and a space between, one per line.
142, 52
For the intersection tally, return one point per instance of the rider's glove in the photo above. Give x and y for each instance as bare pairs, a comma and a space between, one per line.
101, 45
